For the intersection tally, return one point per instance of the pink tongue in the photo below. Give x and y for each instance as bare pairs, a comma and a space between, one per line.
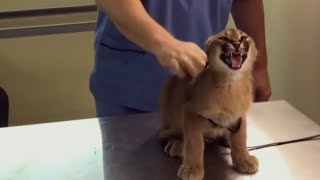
236, 60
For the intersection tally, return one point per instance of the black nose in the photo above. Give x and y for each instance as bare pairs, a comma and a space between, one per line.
236, 45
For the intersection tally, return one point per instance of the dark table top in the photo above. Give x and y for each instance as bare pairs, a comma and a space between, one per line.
131, 151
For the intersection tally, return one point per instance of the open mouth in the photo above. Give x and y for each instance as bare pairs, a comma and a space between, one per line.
234, 60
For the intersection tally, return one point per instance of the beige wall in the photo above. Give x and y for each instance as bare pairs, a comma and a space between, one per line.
35, 70
31, 4
47, 77
293, 43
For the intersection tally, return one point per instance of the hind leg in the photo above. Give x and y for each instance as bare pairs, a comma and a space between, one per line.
217, 135
174, 147
173, 141
223, 141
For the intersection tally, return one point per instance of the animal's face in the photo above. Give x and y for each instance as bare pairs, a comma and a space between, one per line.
231, 50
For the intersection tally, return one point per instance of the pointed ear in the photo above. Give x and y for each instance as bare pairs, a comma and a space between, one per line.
209, 43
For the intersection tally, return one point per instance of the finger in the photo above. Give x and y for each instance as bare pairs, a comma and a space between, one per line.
181, 74
200, 60
200, 64
178, 69
200, 55
189, 66
198, 68
168, 147
192, 81
203, 58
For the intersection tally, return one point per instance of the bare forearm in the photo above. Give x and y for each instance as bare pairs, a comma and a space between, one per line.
249, 17
131, 19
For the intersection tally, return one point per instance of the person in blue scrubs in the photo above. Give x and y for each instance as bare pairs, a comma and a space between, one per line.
139, 43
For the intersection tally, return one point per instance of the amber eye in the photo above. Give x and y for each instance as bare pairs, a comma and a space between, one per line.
225, 39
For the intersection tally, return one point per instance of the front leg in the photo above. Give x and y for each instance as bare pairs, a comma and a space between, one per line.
193, 148
243, 162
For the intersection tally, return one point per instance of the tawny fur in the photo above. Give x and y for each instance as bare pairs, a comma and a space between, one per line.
221, 95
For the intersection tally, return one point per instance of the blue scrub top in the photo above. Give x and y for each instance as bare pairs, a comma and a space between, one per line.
126, 74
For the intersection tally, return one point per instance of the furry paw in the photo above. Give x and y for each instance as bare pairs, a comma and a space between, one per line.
174, 147
249, 165
194, 172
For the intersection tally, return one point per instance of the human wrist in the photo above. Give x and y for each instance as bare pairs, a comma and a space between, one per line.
262, 60
161, 43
